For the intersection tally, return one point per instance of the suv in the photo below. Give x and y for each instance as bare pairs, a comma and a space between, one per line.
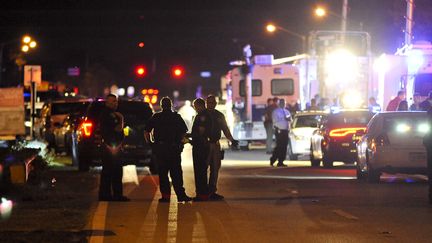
49, 126
337, 136
87, 141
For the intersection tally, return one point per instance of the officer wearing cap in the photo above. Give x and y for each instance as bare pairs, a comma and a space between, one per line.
111, 127
168, 130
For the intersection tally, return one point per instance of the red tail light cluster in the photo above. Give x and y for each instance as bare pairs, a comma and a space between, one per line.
86, 128
342, 132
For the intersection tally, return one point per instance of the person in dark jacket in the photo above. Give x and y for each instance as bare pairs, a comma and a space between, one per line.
268, 124
111, 127
169, 129
201, 128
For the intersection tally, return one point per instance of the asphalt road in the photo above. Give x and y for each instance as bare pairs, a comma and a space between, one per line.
269, 204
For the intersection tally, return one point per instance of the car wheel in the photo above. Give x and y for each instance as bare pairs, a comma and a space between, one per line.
314, 162
373, 176
327, 161
245, 147
83, 163
291, 155
360, 174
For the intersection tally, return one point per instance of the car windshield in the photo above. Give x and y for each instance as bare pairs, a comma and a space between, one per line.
412, 124
68, 108
350, 118
307, 121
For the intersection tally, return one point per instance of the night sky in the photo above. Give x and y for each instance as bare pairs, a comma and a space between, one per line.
199, 35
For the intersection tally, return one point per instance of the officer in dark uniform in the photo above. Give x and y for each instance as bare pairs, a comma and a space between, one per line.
169, 130
427, 141
201, 129
111, 127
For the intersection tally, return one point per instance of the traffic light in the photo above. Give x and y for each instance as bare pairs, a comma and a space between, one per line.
140, 71
177, 72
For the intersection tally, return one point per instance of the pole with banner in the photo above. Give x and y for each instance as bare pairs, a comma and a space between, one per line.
32, 78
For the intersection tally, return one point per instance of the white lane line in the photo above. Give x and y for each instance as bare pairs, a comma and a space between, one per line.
98, 222
345, 214
293, 177
99, 217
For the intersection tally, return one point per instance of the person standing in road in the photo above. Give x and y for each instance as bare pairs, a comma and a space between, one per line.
426, 105
427, 142
268, 124
394, 103
111, 127
168, 130
214, 159
415, 106
201, 128
281, 122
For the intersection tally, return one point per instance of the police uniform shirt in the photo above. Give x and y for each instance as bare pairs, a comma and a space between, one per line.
219, 123
168, 127
108, 122
280, 118
203, 120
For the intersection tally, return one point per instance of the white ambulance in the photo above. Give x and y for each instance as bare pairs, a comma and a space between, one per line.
268, 81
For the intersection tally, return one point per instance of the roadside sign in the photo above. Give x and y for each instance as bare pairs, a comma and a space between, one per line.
12, 112
32, 73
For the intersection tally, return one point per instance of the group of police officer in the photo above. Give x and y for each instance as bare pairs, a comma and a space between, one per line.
166, 131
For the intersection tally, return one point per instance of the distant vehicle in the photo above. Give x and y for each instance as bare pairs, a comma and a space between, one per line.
393, 143
87, 141
337, 136
302, 127
268, 81
52, 116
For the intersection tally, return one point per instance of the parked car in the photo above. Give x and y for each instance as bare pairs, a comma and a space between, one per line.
50, 125
87, 142
302, 127
337, 136
393, 143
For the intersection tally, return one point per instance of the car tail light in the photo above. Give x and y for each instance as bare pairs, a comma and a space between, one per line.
86, 128
342, 132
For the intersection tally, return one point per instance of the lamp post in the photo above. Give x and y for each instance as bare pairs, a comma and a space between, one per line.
27, 44
272, 28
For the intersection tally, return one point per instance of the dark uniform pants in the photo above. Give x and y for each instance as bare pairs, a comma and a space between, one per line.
111, 176
279, 152
200, 154
169, 161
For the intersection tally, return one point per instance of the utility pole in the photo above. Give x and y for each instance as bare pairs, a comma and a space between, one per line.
247, 54
409, 22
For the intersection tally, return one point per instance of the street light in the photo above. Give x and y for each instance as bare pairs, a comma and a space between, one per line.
322, 12
272, 28
27, 44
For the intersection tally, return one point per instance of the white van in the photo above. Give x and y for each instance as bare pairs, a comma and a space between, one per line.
268, 81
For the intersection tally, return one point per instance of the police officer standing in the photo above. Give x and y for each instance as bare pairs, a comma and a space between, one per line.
201, 147
169, 130
111, 127
427, 141
214, 159
281, 121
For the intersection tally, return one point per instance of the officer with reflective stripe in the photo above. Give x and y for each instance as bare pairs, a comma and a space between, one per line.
168, 130
111, 127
